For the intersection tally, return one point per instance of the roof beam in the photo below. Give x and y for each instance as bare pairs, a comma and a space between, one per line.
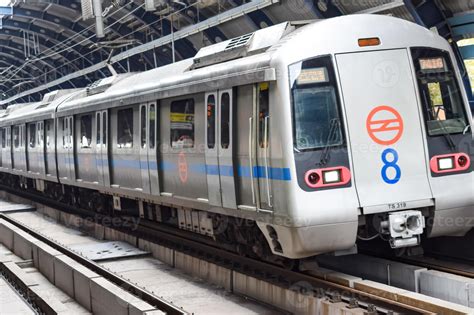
185, 32
383, 7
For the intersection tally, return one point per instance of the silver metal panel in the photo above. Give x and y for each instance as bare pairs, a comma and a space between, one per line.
368, 82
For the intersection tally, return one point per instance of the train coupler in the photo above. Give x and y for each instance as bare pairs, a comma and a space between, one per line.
405, 228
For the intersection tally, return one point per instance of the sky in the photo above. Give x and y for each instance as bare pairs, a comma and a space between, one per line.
4, 2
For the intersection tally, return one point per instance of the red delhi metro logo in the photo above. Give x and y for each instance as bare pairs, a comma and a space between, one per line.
182, 168
385, 125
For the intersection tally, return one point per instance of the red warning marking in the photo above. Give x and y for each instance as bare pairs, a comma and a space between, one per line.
385, 131
183, 168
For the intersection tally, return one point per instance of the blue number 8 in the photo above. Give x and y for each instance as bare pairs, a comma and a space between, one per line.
391, 164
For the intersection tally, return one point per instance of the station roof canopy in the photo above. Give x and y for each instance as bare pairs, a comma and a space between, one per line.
47, 45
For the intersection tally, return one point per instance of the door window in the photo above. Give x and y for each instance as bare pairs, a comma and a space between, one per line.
211, 121
182, 124
16, 136
125, 128
86, 131
97, 128
263, 112
104, 128
4, 141
225, 120
49, 132
152, 126
143, 126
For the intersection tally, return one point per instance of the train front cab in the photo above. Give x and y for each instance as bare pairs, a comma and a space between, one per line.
447, 124
393, 159
407, 107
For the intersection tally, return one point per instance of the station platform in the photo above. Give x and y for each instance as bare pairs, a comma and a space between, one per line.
11, 303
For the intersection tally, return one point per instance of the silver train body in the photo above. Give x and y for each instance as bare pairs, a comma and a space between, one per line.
320, 133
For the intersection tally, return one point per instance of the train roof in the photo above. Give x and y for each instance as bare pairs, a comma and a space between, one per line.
251, 58
21, 113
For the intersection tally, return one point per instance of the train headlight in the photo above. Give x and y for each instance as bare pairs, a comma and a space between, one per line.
327, 177
450, 163
331, 177
446, 163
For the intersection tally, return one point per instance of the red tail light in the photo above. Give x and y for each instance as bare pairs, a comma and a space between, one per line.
450, 163
328, 177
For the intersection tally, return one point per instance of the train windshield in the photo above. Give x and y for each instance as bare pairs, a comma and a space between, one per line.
441, 97
316, 115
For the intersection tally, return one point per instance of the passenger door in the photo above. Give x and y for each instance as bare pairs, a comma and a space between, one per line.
148, 150
70, 159
41, 152
102, 156
385, 130
220, 167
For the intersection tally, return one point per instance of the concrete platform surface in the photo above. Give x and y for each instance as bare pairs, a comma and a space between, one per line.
9, 207
10, 302
194, 295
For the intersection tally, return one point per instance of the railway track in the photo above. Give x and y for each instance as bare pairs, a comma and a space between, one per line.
373, 302
159, 303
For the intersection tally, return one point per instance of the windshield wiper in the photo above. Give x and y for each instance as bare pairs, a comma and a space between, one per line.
332, 137
466, 129
446, 133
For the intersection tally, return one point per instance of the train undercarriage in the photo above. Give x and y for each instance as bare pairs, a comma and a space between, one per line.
239, 235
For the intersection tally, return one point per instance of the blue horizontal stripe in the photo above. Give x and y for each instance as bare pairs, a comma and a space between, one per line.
275, 173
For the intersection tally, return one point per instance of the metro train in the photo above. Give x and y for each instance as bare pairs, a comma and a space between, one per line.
289, 142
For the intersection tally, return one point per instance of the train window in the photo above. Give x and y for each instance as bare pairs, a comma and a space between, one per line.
97, 128
86, 131
263, 112
211, 121
125, 128
4, 141
49, 132
143, 126
39, 134
443, 105
152, 126
32, 135
225, 120
104, 127
182, 123
64, 128
316, 113
16, 136
22, 136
